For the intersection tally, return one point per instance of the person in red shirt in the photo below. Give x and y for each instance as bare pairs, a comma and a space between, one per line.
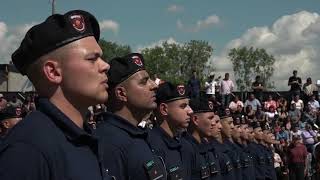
297, 156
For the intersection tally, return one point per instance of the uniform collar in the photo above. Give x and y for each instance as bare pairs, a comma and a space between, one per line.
66, 125
200, 146
173, 143
124, 125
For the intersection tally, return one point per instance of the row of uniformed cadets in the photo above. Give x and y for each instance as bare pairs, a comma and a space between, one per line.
63, 60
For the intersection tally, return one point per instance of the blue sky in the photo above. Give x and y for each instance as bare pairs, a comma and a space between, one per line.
225, 24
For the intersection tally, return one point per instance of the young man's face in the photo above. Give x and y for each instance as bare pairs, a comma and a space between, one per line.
206, 123
140, 91
258, 133
236, 131
179, 113
227, 127
216, 130
83, 72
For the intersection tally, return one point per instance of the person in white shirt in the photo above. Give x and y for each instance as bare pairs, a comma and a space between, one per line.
314, 104
226, 89
298, 102
210, 86
235, 104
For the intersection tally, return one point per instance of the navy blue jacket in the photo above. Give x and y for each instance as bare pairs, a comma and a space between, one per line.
247, 165
170, 149
234, 153
270, 170
226, 166
47, 145
200, 168
258, 160
127, 152
213, 161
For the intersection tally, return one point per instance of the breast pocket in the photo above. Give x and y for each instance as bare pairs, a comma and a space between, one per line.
154, 170
176, 173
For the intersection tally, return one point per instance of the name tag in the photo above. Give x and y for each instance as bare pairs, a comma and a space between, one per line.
213, 168
205, 172
175, 173
153, 170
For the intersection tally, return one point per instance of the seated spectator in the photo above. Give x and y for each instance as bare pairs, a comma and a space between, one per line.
235, 103
299, 103
308, 115
270, 102
283, 114
15, 102
294, 114
253, 102
271, 115
260, 115
283, 135
314, 104
295, 132
3, 102
309, 137
249, 114
282, 102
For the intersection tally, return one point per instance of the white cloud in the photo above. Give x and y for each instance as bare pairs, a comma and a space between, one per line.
293, 40
10, 39
170, 40
211, 20
106, 25
175, 8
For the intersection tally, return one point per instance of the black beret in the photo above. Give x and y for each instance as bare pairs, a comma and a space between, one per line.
10, 112
168, 92
121, 68
56, 31
201, 105
255, 125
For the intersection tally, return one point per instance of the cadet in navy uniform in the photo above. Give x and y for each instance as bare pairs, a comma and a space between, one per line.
246, 158
173, 113
255, 150
266, 145
214, 155
62, 59
199, 128
127, 151
227, 170
9, 117
228, 131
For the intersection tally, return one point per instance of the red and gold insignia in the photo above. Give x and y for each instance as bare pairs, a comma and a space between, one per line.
77, 22
181, 90
137, 60
18, 111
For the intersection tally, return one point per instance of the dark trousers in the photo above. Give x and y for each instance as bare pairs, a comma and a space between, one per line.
296, 171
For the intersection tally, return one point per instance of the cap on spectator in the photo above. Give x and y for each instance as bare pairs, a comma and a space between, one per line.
56, 31
10, 112
201, 105
168, 92
121, 68
1, 95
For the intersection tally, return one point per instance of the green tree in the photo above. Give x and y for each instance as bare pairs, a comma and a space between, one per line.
250, 62
175, 62
112, 49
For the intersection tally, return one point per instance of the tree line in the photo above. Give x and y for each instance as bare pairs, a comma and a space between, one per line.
175, 62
